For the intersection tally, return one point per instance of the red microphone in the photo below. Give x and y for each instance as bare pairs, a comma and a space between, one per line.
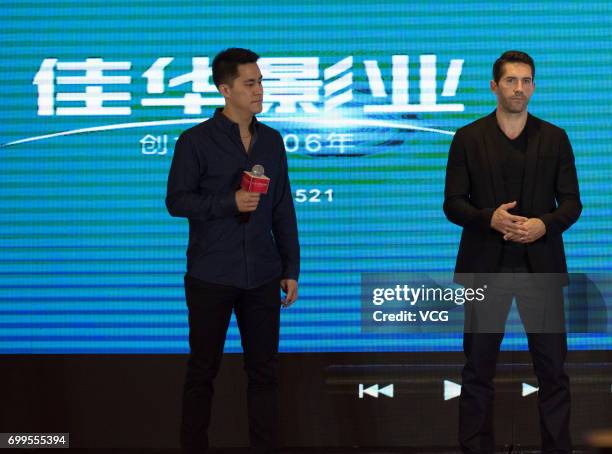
255, 180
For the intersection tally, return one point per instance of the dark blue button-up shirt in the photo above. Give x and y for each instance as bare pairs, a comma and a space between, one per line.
225, 246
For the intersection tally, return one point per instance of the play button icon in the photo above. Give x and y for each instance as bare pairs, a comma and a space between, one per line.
528, 389
451, 390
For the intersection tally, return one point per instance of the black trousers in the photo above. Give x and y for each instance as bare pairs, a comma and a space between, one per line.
258, 315
542, 316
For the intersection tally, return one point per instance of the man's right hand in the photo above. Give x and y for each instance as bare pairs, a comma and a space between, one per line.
506, 223
247, 201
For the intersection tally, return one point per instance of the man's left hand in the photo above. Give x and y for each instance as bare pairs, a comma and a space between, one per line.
290, 287
532, 230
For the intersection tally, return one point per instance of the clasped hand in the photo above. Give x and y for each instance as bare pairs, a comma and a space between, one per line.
516, 228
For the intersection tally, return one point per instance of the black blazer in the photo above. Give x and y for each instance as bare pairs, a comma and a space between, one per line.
475, 188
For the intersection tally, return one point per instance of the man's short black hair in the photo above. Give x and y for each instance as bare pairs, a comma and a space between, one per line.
512, 56
225, 64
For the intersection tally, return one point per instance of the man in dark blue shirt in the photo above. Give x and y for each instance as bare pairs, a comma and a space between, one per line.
242, 247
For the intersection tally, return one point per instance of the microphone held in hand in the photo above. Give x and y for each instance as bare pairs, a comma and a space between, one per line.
255, 180
257, 170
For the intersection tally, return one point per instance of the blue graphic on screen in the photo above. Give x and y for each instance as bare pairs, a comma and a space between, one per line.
367, 100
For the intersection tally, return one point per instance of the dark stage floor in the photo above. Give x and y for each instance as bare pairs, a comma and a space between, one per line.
347, 450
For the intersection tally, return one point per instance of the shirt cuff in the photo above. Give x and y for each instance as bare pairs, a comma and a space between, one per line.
226, 205
547, 219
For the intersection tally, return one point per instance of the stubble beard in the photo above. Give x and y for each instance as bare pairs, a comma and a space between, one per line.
515, 108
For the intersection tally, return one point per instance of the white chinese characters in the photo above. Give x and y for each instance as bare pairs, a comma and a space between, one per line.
73, 99
292, 85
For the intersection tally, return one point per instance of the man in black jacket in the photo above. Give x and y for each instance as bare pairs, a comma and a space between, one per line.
511, 184
242, 247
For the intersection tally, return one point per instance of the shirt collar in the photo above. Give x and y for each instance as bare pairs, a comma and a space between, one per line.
228, 125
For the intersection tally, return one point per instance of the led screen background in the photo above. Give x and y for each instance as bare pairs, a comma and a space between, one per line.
91, 261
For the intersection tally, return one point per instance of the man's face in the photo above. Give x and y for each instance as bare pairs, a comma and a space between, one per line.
514, 88
245, 93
